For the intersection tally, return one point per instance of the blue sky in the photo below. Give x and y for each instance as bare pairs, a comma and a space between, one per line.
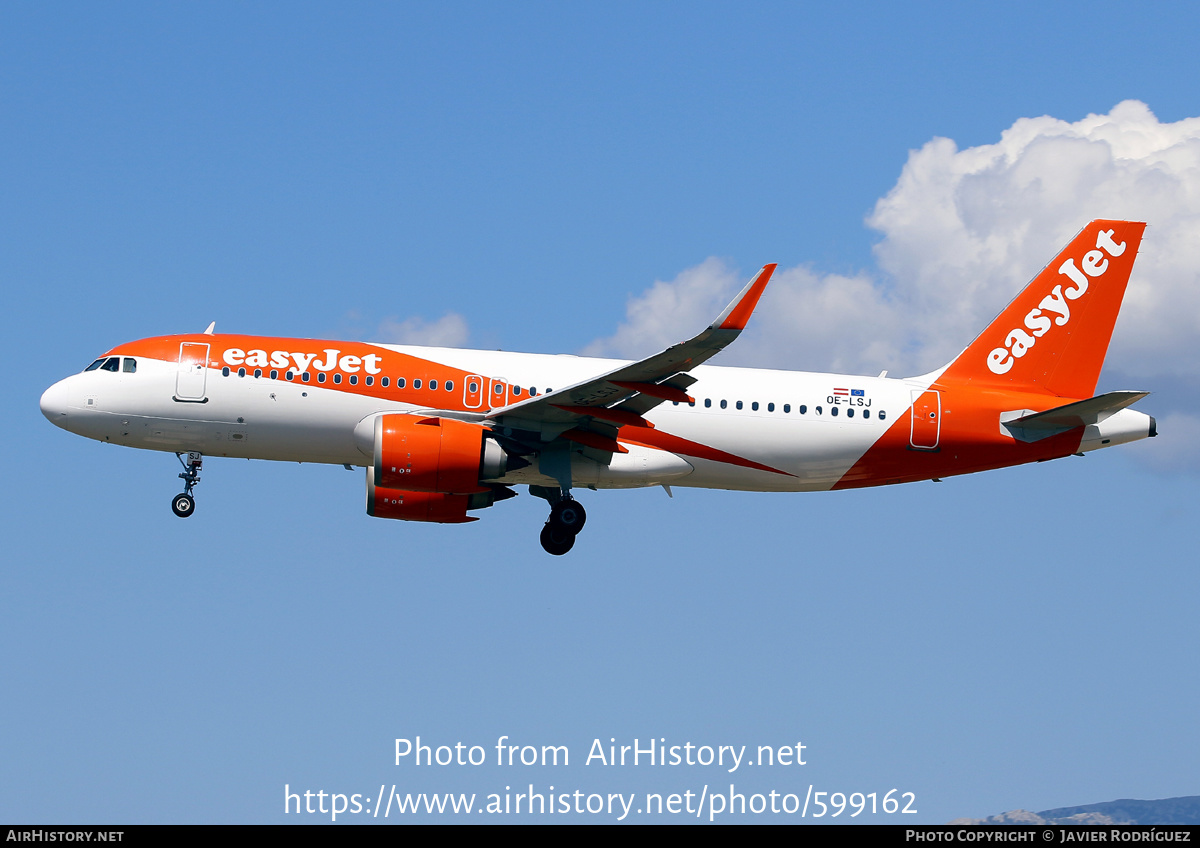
1024, 638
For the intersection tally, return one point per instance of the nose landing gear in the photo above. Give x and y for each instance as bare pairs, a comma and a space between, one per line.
184, 504
567, 517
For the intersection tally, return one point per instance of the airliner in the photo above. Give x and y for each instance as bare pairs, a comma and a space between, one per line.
443, 432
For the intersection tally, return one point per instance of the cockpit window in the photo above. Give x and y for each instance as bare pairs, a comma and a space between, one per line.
95, 365
113, 363
129, 365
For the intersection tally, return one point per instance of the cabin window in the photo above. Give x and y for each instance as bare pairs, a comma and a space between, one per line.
371, 381
449, 385
241, 372
739, 404
803, 409
305, 376
707, 403
866, 413
383, 381
337, 378
849, 413
321, 377
770, 407
754, 406
257, 373
882, 415
400, 383
354, 379
724, 404
433, 385
290, 375
416, 384
516, 391
473, 387
225, 371
274, 374
833, 410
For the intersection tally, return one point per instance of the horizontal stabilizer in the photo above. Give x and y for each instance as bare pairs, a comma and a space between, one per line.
1031, 426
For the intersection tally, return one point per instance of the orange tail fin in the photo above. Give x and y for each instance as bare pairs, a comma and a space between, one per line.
1053, 336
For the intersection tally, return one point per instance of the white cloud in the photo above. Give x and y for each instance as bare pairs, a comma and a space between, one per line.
803, 318
448, 331
670, 311
963, 231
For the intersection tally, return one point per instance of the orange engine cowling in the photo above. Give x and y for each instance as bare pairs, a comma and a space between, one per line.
416, 506
438, 507
436, 455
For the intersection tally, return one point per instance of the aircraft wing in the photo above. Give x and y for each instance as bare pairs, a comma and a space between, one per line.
592, 411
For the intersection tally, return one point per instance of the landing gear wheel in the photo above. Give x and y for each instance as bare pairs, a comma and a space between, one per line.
183, 505
555, 541
568, 515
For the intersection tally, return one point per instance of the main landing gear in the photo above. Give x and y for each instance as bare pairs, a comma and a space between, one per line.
184, 504
567, 518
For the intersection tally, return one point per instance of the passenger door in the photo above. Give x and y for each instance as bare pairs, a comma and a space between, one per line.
926, 420
192, 374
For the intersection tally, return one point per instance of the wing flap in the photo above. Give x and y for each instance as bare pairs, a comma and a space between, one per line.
617, 415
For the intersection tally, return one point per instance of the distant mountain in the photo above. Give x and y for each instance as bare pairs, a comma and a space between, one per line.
1185, 810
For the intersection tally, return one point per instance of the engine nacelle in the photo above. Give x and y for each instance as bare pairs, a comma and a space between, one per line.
415, 453
438, 507
418, 506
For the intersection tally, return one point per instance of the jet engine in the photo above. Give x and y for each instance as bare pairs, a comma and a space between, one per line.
438, 455
439, 507
429, 468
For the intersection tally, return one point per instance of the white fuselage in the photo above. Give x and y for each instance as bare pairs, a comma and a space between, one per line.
806, 425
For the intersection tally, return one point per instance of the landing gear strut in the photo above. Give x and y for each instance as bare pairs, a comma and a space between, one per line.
567, 518
184, 504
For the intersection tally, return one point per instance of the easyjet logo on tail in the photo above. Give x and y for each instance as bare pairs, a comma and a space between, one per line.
1055, 308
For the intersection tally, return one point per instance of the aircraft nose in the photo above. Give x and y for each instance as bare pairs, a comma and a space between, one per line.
54, 404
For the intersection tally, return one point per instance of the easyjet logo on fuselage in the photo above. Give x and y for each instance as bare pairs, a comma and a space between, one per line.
334, 359
1018, 342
